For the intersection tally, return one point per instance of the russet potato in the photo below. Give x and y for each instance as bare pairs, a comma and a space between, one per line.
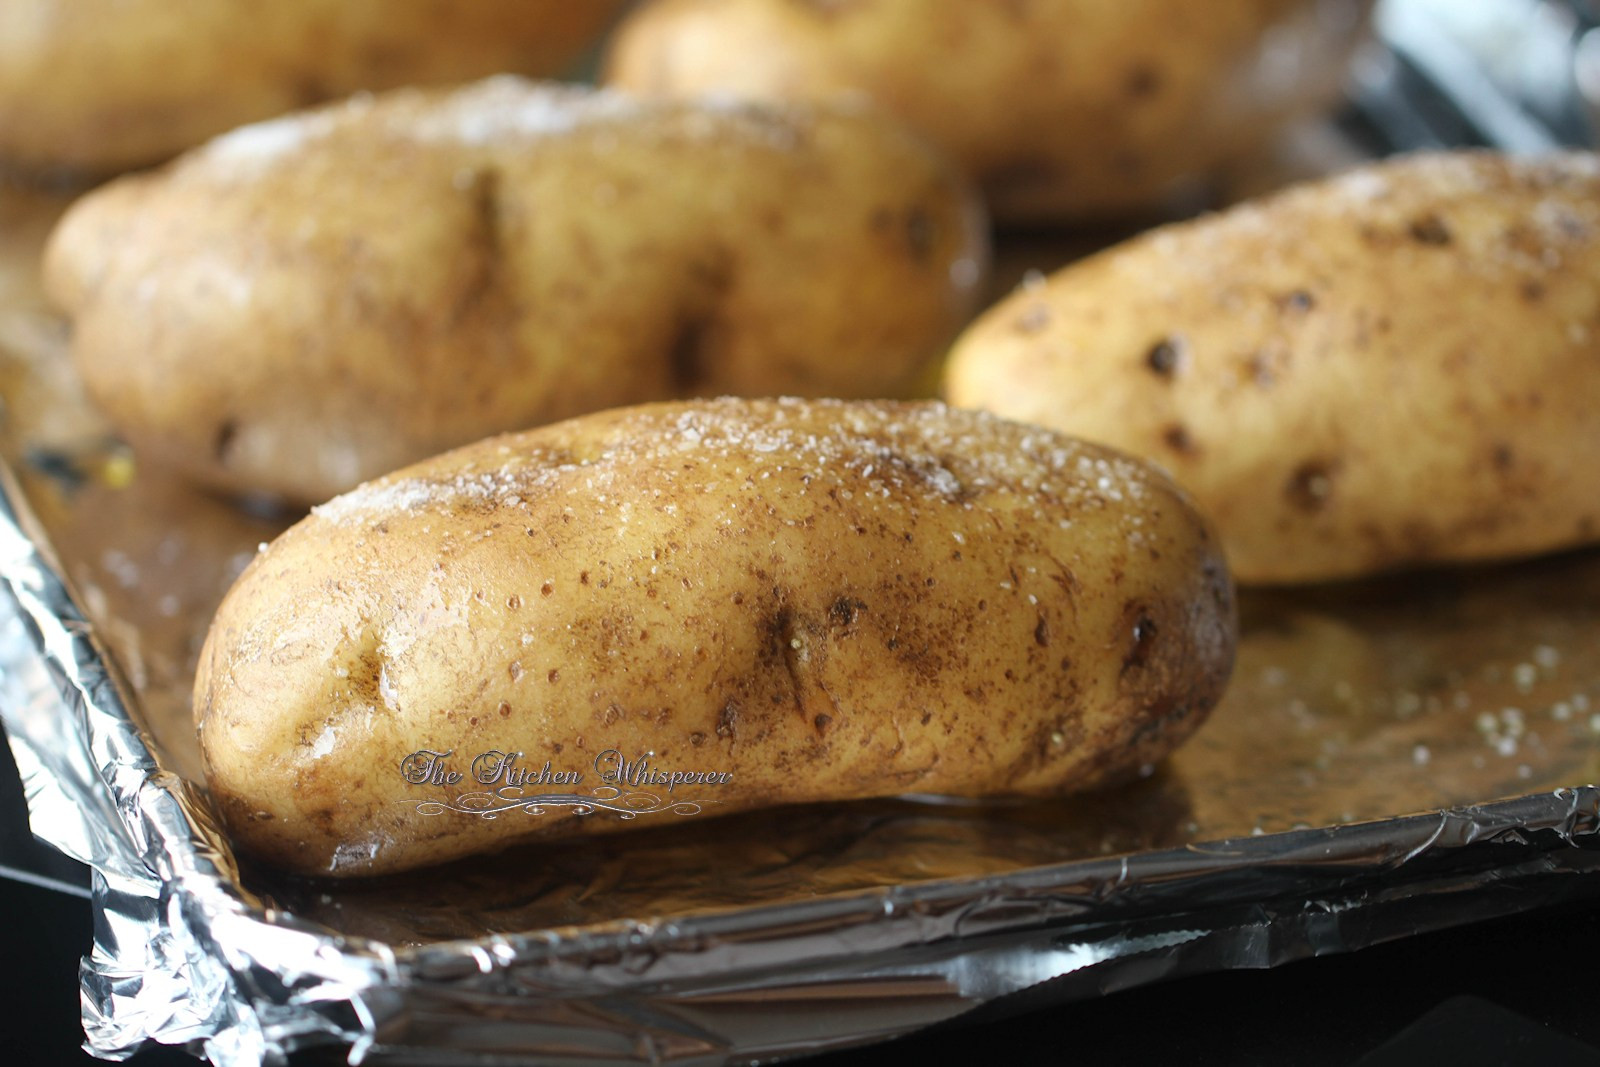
308, 303
1060, 109
1393, 367
106, 85
776, 601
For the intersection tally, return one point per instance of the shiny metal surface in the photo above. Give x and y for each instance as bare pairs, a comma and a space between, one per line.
1392, 757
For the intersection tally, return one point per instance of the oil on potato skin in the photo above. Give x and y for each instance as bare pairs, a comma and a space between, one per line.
1059, 109
1389, 368
326, 298
820, 600
93, 87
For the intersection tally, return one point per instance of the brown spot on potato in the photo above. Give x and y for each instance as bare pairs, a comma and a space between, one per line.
553, 677
1021, 175
921, 233
1142, 81
515, 671
1311, 485
1533, 291
1166, 357
728, 719
1144, 639
688, 363
1041, 631
1502, 457
504, 709
486, 244
1297, 301
1177, 438
1261, 370
513, 602
1421, 540
1159, 717
822, 721
223, 439
692, 351
547, 588
308, 89
830, 9
1430, 229
845, 611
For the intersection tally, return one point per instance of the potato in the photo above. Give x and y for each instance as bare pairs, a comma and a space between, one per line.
819, 600
1059, 108
1394, 367
313, 302
106, 85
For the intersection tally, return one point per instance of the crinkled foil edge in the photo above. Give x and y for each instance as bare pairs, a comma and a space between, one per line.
183, 954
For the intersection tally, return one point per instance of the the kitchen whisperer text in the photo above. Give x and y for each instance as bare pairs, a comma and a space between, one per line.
496, 768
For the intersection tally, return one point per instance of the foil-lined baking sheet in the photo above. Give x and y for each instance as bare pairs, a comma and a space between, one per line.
1468, 698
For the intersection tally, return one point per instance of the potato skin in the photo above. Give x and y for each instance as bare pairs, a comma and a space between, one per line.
106, 85
317, 301
1393, 367
827, 600
1060, 109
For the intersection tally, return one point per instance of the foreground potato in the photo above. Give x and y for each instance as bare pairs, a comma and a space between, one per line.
821, 600
313, 302
110, 84
1394, 367
1060, 108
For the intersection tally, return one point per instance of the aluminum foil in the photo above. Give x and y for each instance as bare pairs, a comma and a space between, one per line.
1392, 757
840, 927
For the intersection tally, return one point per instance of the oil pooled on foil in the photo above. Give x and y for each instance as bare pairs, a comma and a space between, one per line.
1354, 703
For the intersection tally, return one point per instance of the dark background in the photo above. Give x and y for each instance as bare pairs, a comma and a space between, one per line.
1513, 991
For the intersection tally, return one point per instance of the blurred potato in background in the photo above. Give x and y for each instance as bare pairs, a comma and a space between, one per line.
314, 301
106, 85
1061, 109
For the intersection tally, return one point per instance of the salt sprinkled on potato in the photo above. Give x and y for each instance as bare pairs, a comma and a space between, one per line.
310, 303
1393, 367
789, 601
